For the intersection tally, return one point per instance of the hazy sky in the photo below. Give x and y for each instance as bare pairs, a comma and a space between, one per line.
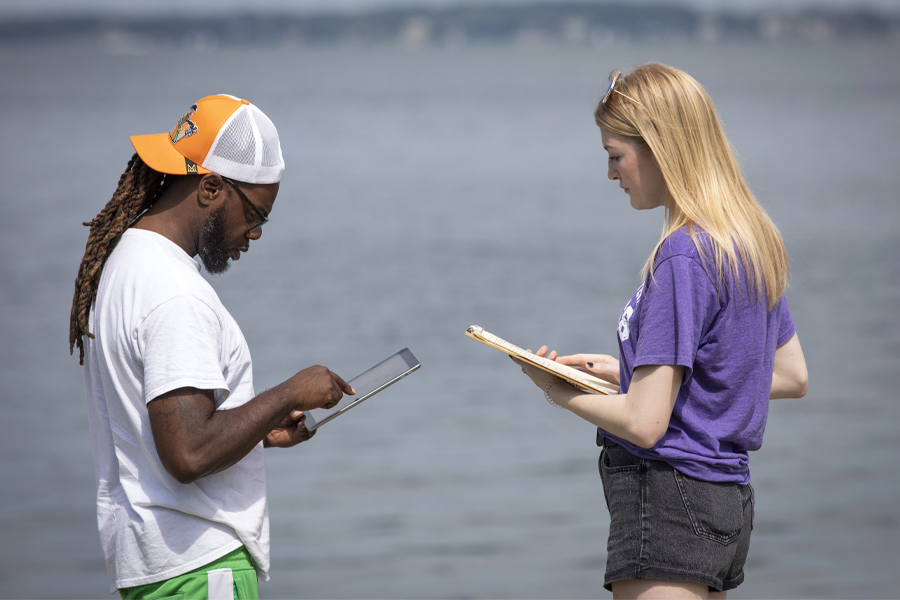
135, 7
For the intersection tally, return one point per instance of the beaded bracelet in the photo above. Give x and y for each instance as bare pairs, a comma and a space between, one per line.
547, 391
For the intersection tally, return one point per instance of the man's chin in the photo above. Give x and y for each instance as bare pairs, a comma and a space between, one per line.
215, 265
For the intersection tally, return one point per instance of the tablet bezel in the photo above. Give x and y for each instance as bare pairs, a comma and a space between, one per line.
411, 362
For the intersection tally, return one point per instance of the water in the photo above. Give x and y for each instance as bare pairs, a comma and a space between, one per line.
427, 191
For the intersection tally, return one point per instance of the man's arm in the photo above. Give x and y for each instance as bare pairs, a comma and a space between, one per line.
789, 375
194, 440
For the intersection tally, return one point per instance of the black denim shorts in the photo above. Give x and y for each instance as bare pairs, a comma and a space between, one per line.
666, 525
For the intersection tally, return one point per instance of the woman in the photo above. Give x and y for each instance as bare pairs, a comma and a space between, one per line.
704, 343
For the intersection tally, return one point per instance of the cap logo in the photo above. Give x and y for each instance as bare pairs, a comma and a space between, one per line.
190, 166
185, 128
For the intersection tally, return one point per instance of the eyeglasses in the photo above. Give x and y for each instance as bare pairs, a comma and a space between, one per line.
610, 90
262, 219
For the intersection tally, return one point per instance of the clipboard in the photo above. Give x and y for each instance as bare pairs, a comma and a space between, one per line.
578, 378
379, 377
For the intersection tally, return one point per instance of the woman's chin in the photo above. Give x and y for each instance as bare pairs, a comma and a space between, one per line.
638, 205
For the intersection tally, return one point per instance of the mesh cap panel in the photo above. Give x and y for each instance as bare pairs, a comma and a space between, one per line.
237, 143
271, 148
247, 148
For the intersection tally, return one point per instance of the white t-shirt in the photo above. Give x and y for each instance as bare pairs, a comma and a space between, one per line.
159, 326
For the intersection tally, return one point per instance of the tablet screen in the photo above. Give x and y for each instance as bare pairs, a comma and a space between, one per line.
368, 384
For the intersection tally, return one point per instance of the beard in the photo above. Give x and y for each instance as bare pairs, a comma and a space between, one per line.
213, 250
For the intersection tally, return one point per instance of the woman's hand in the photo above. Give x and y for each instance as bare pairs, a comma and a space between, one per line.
540, 377
602, 366
643, 420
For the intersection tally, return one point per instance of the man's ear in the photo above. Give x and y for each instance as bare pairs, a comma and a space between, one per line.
211, 190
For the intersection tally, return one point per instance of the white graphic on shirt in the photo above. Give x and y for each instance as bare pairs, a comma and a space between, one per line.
624, 329
624, 332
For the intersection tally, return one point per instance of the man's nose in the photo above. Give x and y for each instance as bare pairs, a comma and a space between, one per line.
254, 234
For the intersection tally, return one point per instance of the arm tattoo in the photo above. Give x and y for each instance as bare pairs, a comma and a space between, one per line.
192, 413
188, 413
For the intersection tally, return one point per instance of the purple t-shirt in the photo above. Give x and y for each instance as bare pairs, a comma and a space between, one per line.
726, 341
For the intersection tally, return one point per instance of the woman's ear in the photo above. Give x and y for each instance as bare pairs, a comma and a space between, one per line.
644, 147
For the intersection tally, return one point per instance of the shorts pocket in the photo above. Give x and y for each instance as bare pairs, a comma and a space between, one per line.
716, 510
620, 475
616, 459
752, 499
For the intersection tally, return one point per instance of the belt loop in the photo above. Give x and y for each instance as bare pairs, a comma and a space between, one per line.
599, 438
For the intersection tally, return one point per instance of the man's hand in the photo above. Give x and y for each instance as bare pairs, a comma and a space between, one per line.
290, 432
317, 387
193, 439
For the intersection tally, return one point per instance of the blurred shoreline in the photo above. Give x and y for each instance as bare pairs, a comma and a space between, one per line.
564, 23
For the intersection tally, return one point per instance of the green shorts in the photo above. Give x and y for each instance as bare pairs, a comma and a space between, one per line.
232, 576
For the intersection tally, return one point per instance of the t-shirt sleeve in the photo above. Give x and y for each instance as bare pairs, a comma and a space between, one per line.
679, 304
786, 327
180, 343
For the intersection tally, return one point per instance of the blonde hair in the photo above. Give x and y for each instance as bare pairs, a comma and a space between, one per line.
670, 112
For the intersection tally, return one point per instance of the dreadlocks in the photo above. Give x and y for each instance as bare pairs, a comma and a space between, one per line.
139, 187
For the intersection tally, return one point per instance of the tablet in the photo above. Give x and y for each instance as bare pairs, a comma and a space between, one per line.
368, 384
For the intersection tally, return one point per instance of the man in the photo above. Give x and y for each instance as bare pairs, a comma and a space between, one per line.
178, 433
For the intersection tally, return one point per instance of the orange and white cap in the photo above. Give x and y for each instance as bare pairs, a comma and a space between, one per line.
220, 134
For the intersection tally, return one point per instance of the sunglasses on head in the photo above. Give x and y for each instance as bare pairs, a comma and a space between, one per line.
610, 90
